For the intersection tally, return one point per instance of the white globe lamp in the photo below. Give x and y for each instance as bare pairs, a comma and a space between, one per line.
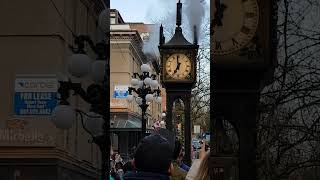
149, 97
154, 84
130, 98
134, 82
139, 100
145, 68
140, 85
79, 65
63, 116
147, 81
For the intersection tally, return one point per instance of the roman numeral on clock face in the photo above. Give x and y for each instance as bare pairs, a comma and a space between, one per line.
239, 26
218, 45
245, 30
234, 42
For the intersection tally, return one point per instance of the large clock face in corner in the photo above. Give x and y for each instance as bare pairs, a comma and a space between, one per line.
235, 24
178, 66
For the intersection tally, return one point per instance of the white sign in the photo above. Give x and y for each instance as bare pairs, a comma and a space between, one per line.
35, 94
196, 129
32, 84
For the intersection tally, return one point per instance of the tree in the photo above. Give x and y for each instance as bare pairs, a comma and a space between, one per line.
288, 130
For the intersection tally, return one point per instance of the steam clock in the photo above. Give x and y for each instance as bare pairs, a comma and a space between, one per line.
178, 75
243, 41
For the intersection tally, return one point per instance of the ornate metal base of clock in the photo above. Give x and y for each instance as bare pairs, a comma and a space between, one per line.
236, 96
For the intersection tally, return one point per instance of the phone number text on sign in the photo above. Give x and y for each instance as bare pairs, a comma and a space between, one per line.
37, 103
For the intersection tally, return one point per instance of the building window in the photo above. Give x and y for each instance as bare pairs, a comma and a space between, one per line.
113, 20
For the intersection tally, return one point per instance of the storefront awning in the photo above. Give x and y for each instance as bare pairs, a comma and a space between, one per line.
125, 122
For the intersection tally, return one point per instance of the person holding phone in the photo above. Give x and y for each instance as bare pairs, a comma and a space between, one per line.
200, 167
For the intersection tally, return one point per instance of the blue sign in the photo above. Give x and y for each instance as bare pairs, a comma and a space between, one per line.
35, 95
120, 91
34, 103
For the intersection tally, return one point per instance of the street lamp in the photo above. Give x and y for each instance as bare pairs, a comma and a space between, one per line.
162, 122
97, 121
147, 90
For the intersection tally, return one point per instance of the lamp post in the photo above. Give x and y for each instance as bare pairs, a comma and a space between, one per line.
97, 121
147, 90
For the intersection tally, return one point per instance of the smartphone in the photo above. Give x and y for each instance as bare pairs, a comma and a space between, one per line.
206, 148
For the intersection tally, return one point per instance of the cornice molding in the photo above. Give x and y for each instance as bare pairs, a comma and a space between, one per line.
132, 38
43, 153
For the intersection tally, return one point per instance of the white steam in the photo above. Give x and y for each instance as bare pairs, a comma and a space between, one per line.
164, 12
151, 46
195, 13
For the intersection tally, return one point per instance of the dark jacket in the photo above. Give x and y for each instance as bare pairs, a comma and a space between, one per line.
132, 175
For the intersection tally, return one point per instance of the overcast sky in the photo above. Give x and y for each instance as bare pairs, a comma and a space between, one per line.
132, 10
139, 10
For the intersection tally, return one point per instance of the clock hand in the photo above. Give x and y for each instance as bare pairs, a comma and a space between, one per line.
223, 8
177, 65
220, 8
177, 60
177, 68
217, 14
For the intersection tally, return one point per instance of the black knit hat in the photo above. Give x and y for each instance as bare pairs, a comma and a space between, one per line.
153, 154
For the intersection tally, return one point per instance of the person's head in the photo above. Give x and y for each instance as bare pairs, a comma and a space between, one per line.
118, 158
203, 172
113, 156
118, 166
153, 154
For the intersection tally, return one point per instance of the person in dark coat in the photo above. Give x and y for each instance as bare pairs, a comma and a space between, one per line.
178, 172
152, 159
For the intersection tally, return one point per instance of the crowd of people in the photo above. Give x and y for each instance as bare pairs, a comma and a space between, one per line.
157, 158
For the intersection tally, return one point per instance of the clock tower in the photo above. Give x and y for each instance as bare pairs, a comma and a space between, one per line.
178, 75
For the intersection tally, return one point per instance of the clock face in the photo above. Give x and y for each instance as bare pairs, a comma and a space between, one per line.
235, 24
178, 66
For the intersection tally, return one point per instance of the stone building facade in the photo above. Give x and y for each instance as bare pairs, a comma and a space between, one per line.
34, 43
127, 56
